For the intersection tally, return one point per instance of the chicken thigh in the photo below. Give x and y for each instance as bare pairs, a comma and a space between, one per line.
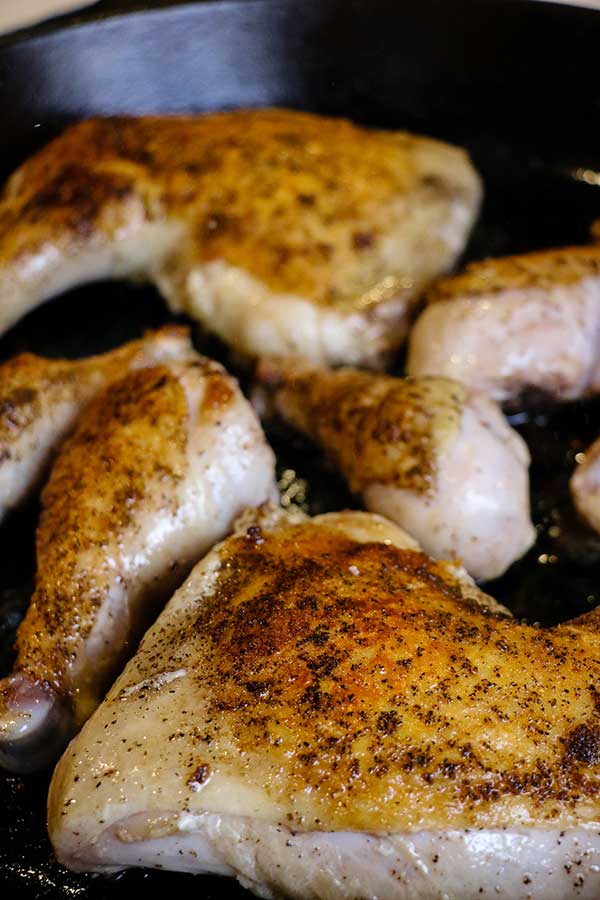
40, 400
507, 325
438, 459
279, 231
322, 711
157, 470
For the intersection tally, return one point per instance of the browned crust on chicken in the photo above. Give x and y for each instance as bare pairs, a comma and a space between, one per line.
26, 379
367, 690
542, 270
375, 428
141, 424
300, 201
23, 378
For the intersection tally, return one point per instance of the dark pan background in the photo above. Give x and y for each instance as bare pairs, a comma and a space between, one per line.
516, 82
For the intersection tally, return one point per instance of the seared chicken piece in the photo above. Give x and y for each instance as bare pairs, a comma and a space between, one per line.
281, 232
585, 486
323, 711
40, 400
155, 473
506, 325
433, 456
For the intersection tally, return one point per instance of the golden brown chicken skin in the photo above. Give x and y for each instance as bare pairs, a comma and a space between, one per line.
159, 466
395, 681
543, 269
435, 457
328, 703
40, 400
511, 324
278, 230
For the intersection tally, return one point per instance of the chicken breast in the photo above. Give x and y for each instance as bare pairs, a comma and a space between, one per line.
507, 325
585, 486
157, 470
40, 400
279, 231
322, 711
433, 456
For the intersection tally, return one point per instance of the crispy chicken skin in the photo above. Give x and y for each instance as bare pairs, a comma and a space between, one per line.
585, 486
40, 400
280, 231
519, 322
433, 456
158, 468
323, 711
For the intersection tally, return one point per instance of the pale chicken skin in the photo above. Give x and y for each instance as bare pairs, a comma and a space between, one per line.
281, 232
585, 486
155, 473
40, 400
438, 459
322, 711
508, 325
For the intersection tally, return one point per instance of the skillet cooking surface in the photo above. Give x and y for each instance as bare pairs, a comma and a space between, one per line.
488, 75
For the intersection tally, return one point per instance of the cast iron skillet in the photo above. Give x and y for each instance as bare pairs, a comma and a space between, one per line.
516, 82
